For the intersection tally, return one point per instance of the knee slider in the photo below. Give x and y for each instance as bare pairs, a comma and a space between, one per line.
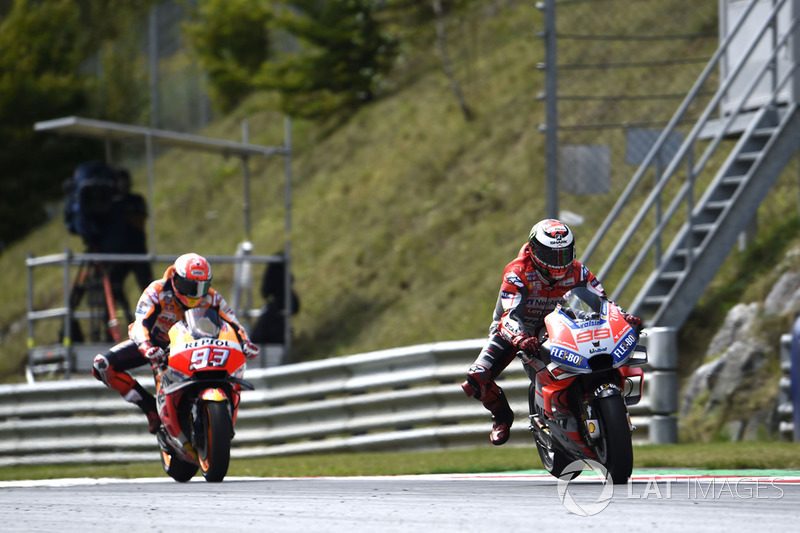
99, 367
478, 382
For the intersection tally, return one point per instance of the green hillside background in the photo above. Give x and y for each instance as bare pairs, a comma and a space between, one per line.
404, 215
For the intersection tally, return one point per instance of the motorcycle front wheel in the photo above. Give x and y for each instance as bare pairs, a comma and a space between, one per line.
615, 449
177, 468
214, 445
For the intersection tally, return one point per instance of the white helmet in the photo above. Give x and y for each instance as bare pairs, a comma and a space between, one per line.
191, 279
552, 248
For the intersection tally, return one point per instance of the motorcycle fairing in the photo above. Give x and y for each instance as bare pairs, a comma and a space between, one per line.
608, 334
206, 363
634, 384
188, 355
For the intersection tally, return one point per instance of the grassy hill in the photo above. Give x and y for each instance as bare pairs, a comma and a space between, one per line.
403, 216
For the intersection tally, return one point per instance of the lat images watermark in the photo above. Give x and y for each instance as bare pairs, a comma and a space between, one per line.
597, 488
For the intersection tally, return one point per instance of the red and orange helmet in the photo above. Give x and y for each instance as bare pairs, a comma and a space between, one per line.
552, 248
191, 279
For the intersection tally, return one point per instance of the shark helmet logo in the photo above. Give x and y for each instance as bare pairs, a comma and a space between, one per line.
556, 230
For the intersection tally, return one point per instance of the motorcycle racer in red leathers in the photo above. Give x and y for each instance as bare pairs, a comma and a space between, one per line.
533, 285
186, 284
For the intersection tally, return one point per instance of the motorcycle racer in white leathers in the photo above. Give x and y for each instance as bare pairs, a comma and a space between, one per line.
186, 284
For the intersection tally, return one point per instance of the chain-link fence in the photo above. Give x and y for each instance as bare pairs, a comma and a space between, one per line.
180, 89
623, 69
147, 75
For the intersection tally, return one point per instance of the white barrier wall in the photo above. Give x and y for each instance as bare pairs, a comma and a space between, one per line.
400, 399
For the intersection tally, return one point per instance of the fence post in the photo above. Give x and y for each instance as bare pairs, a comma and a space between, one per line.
794, 379
662, 382
786, 411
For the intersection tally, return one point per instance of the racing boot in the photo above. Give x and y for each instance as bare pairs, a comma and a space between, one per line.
153, 421
502, 418
147, 403
480, 386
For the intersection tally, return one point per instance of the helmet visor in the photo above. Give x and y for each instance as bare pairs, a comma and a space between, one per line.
192, 288
554, 257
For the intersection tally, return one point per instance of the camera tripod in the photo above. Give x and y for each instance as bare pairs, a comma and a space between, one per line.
92, 279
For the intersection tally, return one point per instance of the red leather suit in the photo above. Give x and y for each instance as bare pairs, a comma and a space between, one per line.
525, 299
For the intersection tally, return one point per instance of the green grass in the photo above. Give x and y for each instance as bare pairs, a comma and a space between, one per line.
712, 456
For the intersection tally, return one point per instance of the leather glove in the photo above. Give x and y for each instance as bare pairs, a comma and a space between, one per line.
154, 354
634, 321
250, 350
525, 343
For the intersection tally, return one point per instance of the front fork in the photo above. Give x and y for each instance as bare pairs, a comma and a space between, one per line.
586, 414
588, 411
199, 429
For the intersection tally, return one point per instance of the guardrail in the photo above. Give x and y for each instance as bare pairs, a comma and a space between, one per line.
399, 399
785, 403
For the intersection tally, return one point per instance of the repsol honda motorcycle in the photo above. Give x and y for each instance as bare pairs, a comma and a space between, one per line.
582, 380
198, 394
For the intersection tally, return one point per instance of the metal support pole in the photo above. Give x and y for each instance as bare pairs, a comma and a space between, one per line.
662, 380
30, 311
287, 270
246, 173
151, 226
657, 212
794, 379
67, 339
794, 51
551, 107
690, 179
153, 52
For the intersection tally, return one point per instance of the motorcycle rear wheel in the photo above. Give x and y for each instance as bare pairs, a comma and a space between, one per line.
214, 446
615, 451
555, 461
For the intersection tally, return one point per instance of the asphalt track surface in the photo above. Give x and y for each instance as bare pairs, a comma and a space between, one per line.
530, 502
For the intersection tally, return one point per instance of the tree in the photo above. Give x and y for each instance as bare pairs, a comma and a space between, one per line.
43, 46
344, 52
231, 39
38, 80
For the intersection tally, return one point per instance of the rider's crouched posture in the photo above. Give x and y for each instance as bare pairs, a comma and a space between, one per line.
186, 284
533, 285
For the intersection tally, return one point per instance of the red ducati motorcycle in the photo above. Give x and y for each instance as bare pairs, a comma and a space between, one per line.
582, 380
198, 395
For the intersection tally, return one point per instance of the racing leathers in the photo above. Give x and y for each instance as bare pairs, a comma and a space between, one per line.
525, 298
156, 311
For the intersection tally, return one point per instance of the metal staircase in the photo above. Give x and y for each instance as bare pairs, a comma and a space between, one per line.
702, 233
728, 205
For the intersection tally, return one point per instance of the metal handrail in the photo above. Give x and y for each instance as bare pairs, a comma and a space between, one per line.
696, 169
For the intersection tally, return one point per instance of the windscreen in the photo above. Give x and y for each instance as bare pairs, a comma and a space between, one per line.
586, 303
203, 322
